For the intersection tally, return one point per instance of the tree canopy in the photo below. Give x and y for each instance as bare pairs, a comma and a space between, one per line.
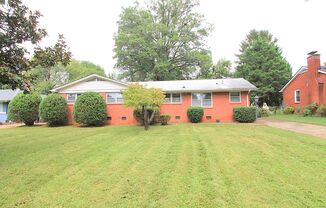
147, 99
222, 69
164, 41
18, 25
49, 66
78, 69
261, 62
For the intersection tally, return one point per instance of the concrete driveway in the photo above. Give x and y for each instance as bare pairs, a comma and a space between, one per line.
310, 129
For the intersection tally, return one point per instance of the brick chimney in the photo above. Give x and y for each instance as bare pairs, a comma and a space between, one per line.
313, 60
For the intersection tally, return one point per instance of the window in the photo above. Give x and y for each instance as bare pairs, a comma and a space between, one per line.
201, 99
123, 118
177, 117
235, 97
3, 107
297, 96
172, 98
72, 97
114, 97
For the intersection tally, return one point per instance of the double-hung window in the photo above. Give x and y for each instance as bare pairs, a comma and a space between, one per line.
173, 98
201, 99
297, 96
235, 97
72, 97
114, 97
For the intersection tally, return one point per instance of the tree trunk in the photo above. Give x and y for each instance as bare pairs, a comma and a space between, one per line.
151, 117
146, 119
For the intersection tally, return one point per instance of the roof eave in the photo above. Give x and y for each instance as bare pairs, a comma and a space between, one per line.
86, 78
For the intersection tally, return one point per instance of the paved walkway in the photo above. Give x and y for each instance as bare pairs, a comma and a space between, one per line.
314, 130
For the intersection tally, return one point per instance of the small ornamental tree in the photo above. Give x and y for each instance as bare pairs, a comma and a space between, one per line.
147, 99
90, 109
24, 108
53, 109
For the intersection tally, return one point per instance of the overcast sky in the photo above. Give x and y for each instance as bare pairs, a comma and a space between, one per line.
88, 26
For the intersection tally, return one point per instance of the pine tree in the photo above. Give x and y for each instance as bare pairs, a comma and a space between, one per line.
261, 62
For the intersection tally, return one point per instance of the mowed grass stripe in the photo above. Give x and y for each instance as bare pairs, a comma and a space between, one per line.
188, 165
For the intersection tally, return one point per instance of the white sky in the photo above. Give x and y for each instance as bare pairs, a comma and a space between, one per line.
88, 26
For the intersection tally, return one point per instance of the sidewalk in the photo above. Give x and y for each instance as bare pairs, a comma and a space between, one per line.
310, 129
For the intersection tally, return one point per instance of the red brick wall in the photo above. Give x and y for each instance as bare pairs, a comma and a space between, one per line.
307, 83
222, 110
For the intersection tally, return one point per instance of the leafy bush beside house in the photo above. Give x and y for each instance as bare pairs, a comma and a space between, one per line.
24, 108
90, 109
165, 118
288, 110
310, 109
322, 110
53, 109
195, 114
244, 114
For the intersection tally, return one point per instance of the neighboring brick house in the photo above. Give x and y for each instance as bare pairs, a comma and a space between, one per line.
308, 84
5, 97
217, 96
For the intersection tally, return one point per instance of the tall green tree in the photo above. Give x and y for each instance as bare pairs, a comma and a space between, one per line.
261, 62
18, 25
49, 66
164, 41
79, 69
222, 69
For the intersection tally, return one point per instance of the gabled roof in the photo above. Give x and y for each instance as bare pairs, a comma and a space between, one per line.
226, 84
303, 69
88, 78
8, 95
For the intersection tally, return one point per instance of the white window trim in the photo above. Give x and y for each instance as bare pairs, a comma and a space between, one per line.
201, 101
116, 100
230, 96
171, 98
295, 96
68, 101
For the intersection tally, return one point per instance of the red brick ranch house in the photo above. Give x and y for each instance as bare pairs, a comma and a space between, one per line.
216, 96
308, 84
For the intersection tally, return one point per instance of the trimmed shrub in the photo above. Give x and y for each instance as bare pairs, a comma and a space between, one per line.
288, 110
90, 109
244, 114
310, 109
140, 117
298, 110
322, 110
53, 109
165, 118
195, 114
24, 108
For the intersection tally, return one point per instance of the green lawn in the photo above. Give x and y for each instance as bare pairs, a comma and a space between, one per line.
203, 165
299, 118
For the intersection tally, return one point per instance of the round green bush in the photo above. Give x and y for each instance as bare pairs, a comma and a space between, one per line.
90, 109
288, 110
165, 119
244, 114
322, 110
53, 109
24, 108
195, 114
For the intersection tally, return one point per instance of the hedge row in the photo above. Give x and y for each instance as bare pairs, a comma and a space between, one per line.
245, 114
